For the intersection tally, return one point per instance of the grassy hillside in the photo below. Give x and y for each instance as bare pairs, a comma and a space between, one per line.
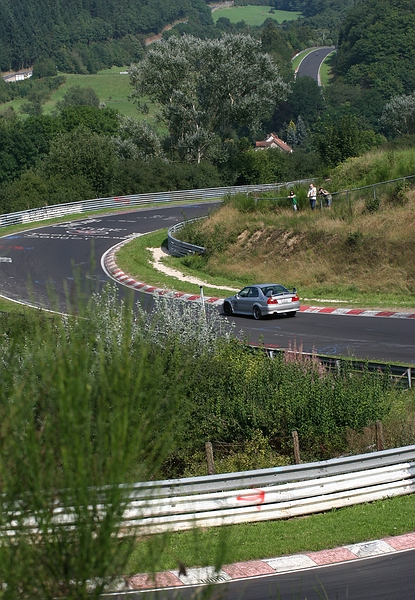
111, 85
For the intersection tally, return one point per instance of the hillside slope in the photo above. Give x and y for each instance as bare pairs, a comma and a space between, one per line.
362, 250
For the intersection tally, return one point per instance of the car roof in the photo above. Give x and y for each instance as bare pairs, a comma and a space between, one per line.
267, 284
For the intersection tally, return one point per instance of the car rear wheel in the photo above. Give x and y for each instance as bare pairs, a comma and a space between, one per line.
227, 309
257, 312
292, 313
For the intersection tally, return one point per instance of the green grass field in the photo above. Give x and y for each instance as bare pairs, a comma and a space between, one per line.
254, 15
111, 85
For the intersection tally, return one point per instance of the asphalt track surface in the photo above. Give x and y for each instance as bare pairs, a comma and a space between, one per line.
310, 65
48, 266
389, 577
45, 266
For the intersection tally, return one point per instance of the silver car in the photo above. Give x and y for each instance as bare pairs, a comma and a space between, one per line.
263, 299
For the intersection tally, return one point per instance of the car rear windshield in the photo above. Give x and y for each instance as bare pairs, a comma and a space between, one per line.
274, 290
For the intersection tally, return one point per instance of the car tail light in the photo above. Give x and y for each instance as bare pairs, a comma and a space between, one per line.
272, 301
295, 298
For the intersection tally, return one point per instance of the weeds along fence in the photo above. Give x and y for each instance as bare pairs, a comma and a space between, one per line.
370, 194
400, 375
253, 496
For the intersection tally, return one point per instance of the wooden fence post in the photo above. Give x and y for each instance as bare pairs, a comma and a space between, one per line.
297, 458
380, 444
209, 458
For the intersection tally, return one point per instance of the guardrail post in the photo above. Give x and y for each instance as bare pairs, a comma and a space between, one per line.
202, 299
209, 458
297, 458
380, 444
409, 373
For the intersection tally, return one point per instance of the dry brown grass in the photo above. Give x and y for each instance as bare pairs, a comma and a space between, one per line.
369, 252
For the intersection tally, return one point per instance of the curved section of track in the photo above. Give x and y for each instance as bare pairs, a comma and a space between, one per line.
378, 578
311, 63
47, 266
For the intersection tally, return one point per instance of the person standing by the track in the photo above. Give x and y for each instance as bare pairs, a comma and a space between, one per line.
293, 199
312, 195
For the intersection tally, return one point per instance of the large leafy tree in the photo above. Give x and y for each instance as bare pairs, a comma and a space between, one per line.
23, 143
83, 153
79, 96
204, 88
398, 116
337, 140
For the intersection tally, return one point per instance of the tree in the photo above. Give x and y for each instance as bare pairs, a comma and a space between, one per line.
79, 96
261, 166
137, 140
336, 140
81, 152
301, 131
100, 120
398, 116
44, 67
23, 143
307, 99
36, 99
204, 87
291, 134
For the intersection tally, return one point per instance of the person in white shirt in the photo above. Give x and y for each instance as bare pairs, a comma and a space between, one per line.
312, 195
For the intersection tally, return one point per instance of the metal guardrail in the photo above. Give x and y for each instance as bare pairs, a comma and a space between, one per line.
374, 186
261, 495
114, 202
178, 247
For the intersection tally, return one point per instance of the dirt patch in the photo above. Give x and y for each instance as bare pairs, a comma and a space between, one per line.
156, 38
157, 262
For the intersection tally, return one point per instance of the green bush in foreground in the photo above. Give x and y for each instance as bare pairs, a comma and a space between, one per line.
84, 407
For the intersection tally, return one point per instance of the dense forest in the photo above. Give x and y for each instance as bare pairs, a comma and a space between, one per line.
376, 46
69, 31
87, 35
